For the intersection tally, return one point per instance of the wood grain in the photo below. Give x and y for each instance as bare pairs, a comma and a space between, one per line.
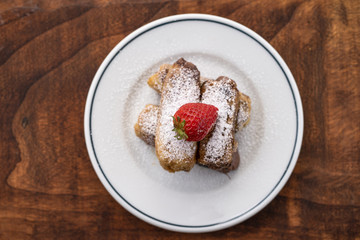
50, 51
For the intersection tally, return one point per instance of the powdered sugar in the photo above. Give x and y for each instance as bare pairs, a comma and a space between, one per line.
182, 87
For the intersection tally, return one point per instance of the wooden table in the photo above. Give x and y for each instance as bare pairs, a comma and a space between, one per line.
50, 51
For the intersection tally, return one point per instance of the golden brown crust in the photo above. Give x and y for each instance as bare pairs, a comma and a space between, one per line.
157, 79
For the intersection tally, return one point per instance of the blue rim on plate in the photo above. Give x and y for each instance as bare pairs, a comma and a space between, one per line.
280, 63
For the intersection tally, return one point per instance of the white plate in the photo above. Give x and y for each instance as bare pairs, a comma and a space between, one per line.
201, 200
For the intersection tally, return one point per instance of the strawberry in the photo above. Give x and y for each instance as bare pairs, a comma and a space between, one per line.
193, 121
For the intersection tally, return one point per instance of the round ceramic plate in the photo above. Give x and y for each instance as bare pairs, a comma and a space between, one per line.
201, 200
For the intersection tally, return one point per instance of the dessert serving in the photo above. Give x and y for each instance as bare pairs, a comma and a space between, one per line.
191, 119
196, 119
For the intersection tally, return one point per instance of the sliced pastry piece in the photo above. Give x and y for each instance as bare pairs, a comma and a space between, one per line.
181, 85
145, 127
216, 150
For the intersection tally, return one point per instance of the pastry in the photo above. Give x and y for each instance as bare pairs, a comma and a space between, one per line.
181, 85
216, 149
145, 127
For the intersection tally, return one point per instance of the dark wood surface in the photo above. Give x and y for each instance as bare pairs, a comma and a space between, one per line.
49, 53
